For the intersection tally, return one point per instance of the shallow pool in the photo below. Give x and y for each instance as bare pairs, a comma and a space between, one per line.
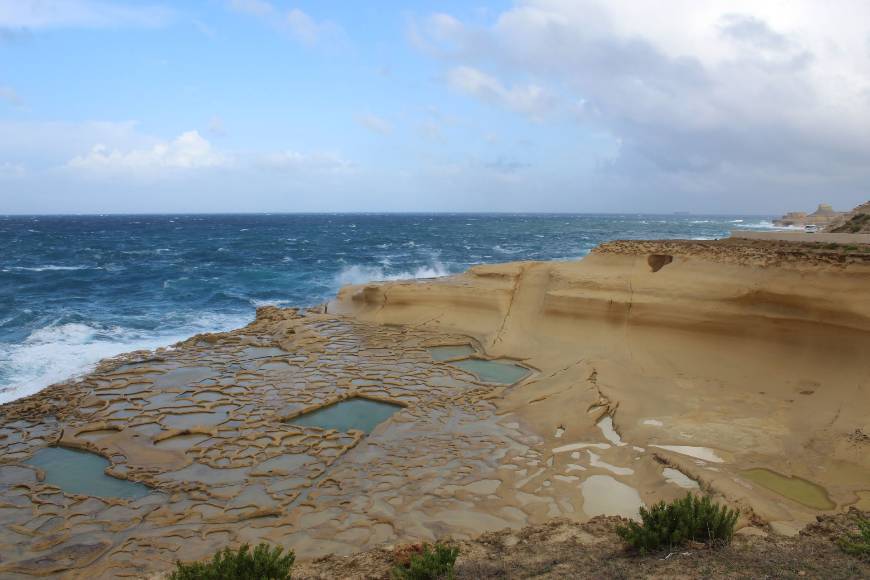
493, 371
794, 488
355, 413
442, 353
83, 473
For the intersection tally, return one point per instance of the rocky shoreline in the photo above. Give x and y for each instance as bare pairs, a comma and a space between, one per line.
648, 368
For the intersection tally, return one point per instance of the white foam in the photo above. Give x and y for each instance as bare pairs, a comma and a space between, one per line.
59, 352
270, 302
357, 274
53, 268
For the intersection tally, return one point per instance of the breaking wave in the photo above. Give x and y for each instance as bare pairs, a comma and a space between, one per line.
58, 352
357, 274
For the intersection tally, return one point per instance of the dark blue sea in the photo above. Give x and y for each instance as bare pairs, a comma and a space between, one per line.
75, 289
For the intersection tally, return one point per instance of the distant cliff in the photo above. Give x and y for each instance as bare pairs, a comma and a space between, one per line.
824, 216
856, 221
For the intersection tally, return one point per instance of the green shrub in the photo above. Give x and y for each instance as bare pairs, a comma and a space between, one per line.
688, 519
858, 544
264, 563
429, 563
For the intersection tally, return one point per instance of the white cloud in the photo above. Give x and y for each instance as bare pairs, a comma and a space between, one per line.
303, 27
216, 126
40, 14
9, 95
255, 7
10, 170
188, 151
531, 99
737, 93
204, 28
296, 23
375, 124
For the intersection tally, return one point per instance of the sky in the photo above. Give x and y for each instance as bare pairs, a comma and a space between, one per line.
716, 106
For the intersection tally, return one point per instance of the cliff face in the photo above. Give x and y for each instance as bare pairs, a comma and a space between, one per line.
757, 350
856, 221
823, 216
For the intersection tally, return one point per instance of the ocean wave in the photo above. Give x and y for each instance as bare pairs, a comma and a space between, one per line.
52, 268
270, 302
767, 225
60, 352
357, 274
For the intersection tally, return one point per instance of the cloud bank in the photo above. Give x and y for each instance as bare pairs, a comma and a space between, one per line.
698, 97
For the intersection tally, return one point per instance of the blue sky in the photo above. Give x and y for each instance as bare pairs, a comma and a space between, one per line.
533, 105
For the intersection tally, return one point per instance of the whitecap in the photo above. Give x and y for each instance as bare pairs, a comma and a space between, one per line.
53, 268
60, 352
270, 302
357, 274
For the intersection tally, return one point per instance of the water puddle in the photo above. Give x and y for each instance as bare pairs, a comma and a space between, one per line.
442, 353
80, 472
354, 413
703, 453
679, 478
794, 488
595, 461
216, 416
605, 496
609, 432
493, 371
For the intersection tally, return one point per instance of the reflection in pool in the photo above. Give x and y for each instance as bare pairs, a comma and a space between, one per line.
354, 413
83, 473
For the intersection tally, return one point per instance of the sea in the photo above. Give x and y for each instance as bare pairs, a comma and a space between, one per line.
76, 289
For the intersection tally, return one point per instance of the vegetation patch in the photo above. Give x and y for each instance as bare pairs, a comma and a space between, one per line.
857, 543
857, 224
425, 562
264, 563
690, 519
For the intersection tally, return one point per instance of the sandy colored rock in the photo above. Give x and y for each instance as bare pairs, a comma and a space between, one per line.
702, 358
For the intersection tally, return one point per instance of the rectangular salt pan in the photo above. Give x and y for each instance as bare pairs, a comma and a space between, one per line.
356, 413
80, 472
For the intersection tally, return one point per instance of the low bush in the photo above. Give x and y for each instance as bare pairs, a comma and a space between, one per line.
690, 519
427, 563
857, 544
264, 563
